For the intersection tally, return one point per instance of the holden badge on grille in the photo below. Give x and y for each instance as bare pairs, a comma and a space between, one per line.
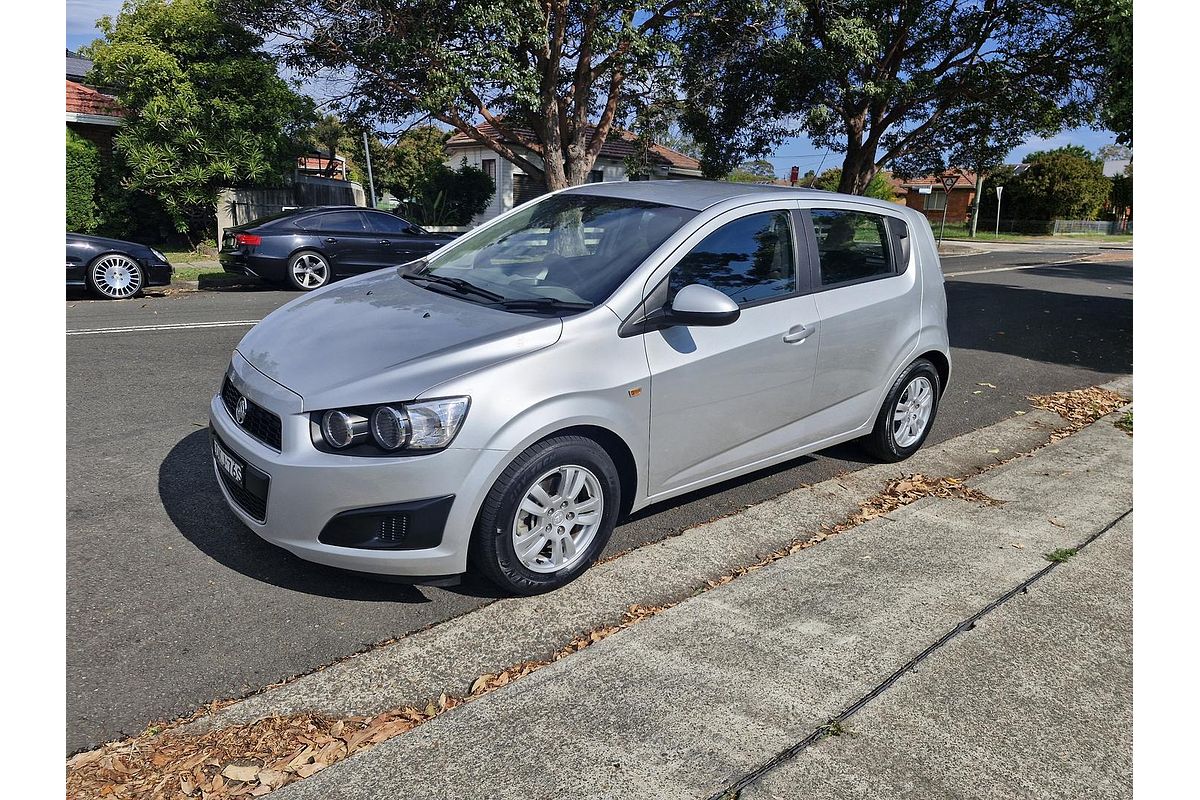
239, 413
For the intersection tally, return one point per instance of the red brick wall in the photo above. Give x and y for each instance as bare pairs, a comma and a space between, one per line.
958, 207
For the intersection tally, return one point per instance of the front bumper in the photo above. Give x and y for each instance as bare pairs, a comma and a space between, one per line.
308, 488
158, 273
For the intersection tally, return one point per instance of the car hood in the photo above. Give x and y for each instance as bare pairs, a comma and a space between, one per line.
104, 241
378, 339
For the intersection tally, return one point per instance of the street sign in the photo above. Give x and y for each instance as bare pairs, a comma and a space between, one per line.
948, 181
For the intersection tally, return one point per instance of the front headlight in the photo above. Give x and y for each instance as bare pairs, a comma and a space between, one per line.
419, 425
158, 255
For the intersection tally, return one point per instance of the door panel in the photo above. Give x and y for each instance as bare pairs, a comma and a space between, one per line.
726, 397
869, 303
345, 239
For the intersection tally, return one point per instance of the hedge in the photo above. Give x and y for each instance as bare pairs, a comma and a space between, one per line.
83, 165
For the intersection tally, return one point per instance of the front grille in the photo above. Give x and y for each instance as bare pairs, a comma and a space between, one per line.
259, 423
254, 506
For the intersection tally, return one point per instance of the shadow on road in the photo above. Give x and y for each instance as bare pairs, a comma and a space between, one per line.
1063, 327
194, 503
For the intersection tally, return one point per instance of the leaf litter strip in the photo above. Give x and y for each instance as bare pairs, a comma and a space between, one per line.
253, 759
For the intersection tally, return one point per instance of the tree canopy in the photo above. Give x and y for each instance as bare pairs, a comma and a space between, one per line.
1067, 183
205, 106
525, 78
885, 81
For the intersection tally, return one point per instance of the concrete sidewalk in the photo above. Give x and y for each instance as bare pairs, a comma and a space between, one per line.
724, 690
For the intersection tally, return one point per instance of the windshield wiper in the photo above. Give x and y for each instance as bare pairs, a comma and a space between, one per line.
543, 303
457, 284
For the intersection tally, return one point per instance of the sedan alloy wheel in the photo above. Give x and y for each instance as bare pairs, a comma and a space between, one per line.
116, 276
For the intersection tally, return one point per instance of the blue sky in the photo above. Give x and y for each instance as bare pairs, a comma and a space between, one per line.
81, 29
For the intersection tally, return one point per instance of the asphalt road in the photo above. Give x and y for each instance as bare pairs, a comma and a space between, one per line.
172, 603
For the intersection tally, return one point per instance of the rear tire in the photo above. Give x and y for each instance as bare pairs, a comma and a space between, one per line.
308, 270
548, 516
908, 412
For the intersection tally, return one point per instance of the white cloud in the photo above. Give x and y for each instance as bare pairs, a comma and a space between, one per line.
82, 15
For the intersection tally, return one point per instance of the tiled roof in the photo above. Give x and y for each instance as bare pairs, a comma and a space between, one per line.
966, 180
620, 144
86, 100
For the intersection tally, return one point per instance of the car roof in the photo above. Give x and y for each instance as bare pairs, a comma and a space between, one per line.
701, 194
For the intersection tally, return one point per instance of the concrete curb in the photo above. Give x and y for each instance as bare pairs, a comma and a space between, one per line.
449, 656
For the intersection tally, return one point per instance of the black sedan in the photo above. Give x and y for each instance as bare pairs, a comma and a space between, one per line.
308, 247
114, 269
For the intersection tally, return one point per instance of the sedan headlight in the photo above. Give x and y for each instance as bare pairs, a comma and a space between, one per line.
159, 255
419, 425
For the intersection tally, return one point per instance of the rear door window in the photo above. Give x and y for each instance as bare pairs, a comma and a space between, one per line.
388, 223
343, 221
851, 246
750, 259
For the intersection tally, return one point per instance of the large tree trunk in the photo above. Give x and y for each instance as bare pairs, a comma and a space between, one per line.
858, 167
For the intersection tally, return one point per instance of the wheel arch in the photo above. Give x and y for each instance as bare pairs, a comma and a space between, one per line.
941, 362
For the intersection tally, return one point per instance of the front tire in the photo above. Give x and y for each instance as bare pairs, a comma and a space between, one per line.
115, 276
548, 516
308, 270
907, 415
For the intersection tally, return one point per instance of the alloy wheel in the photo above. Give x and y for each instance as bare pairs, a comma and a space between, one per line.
310, 271
117, 276
558, 518
912, 412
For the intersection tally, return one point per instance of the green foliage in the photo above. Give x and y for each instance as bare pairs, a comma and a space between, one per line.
755, 170
1121, 197
206, 108
447, 196
884, 81
541, 71
1116, 95
1067, 183
83, 166
879, 186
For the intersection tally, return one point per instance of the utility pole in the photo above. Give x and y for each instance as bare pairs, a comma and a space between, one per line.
975, 205
370, 176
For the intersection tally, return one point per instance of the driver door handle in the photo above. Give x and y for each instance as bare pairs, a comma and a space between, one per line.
330, 240
797, 334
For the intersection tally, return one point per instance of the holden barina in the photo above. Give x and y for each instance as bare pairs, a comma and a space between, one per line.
500, 405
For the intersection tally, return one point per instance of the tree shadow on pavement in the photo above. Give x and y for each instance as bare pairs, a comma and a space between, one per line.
193, 501
1076, 329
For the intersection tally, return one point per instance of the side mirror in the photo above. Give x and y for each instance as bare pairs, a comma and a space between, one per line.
696, 304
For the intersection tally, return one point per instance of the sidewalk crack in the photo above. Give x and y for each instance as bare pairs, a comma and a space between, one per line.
732, 790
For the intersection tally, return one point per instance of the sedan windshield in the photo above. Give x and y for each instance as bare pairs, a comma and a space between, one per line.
567, 252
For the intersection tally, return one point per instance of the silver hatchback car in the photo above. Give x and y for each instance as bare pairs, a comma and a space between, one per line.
504, 401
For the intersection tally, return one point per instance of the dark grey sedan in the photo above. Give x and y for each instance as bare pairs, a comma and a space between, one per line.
308, 247
114, 269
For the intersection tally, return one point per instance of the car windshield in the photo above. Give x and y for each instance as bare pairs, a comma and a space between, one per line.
566, 251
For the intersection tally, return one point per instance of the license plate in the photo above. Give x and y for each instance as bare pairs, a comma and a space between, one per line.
228, 464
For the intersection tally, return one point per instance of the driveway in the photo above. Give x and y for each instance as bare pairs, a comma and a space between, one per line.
172, 603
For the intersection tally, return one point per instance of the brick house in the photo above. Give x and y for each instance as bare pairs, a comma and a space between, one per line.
90, 112
927, 195
514, 187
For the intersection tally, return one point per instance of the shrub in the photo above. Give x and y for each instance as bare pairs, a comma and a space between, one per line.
83, 165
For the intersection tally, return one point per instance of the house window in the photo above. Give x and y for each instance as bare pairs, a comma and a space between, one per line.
489, 167
596, 176
936, 201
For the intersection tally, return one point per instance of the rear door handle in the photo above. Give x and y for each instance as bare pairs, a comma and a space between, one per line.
797, 334
385, 242
330, 240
